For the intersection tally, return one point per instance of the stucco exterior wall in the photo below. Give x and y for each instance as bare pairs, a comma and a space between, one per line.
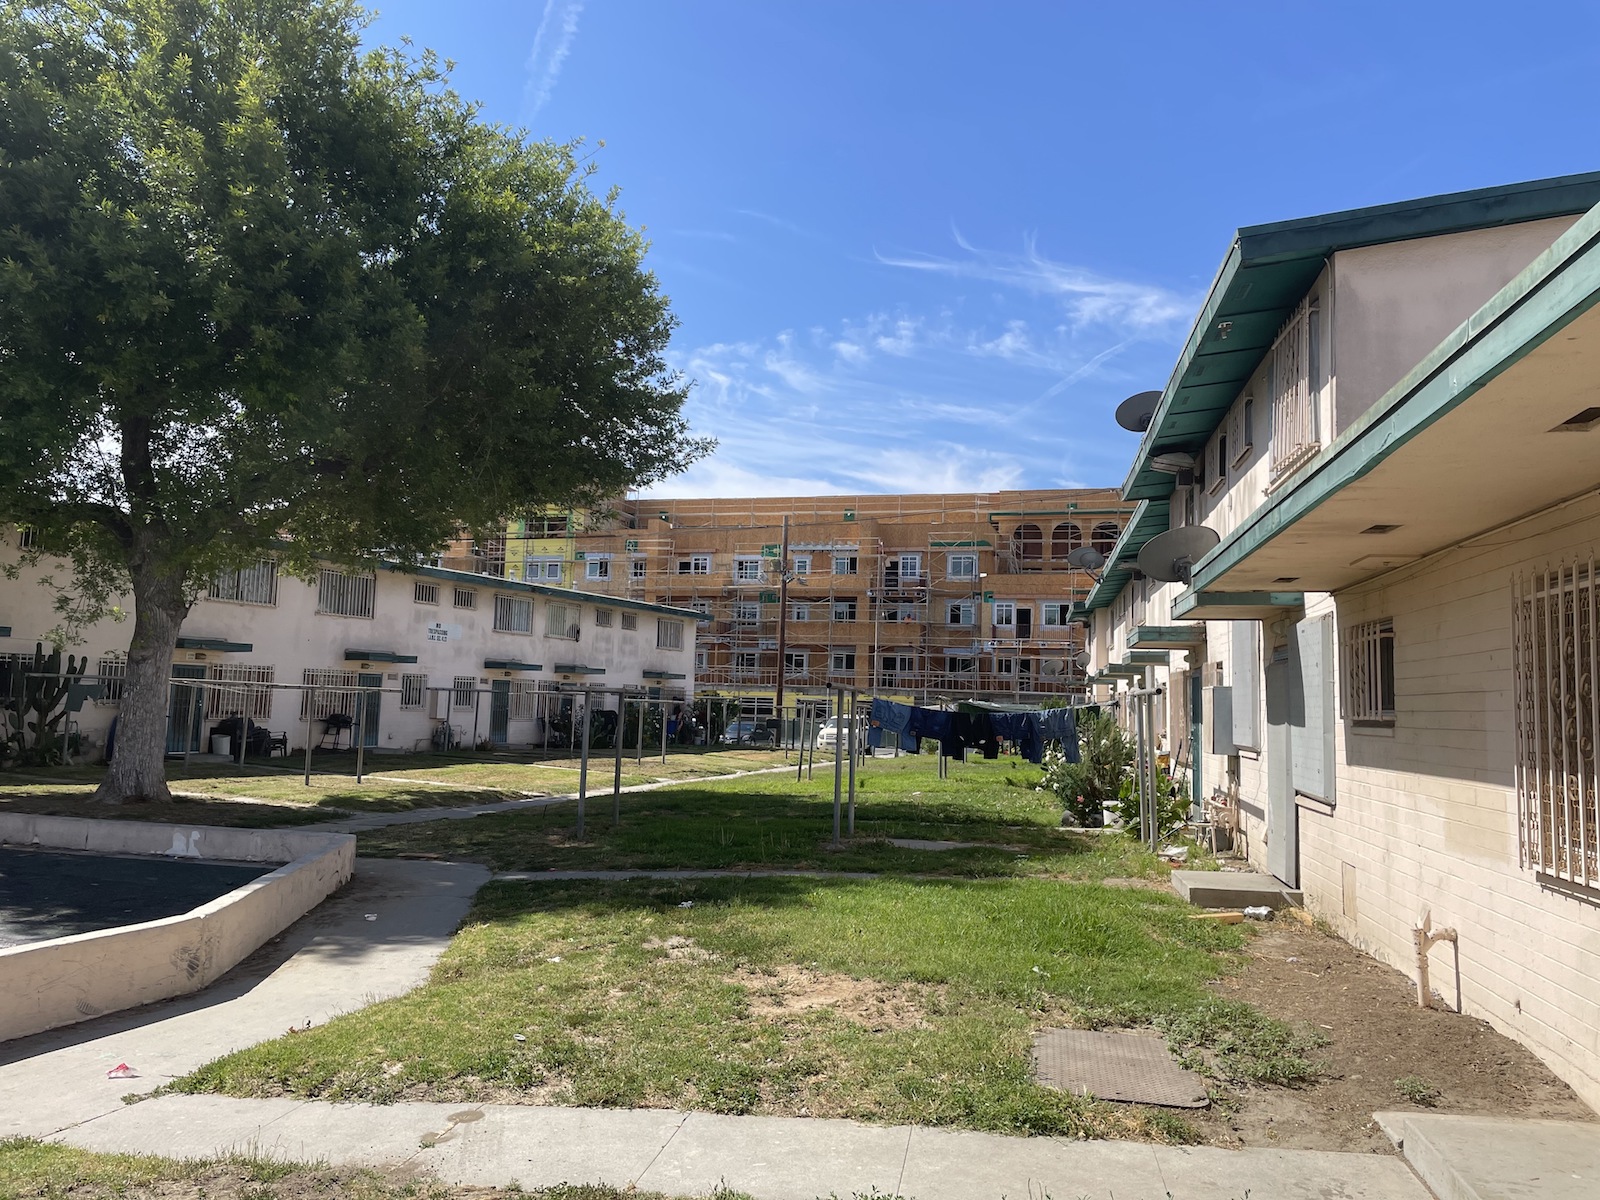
44, 985
1394, 303
292, 637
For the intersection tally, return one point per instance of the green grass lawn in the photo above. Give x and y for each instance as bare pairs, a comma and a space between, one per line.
30, 1168
773, 821
893, 1000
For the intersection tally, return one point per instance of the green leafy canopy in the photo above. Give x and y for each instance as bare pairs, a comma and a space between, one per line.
260, 285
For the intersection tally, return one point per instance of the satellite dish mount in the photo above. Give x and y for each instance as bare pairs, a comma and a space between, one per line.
1170, 556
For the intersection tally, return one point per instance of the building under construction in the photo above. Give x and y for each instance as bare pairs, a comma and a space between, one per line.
927, 597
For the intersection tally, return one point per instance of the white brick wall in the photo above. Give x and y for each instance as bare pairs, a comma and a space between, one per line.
1427, 812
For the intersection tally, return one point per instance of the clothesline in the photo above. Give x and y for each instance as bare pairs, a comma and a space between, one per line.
956, 731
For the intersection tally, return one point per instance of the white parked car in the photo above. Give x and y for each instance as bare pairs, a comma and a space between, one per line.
831, 729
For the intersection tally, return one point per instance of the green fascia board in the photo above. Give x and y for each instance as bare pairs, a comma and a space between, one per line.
577, 669
663, 675
221, 645
510, 664
383, 656
975, 544
1150, 518
1125, 669
1193, 603
1559, 286
1269, 267
1149, 658
1165, 637
467, 578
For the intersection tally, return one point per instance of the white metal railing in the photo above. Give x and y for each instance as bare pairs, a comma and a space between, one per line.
1295, 433
1368, 660
513, 614
247, 695
319, 705
1556, 665
342, 595
256, 584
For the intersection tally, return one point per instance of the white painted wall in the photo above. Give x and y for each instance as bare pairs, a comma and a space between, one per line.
292, 636
1394, 303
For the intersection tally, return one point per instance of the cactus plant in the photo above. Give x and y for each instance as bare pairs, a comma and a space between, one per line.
33, 708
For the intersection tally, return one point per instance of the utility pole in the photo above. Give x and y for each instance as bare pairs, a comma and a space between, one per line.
783, 621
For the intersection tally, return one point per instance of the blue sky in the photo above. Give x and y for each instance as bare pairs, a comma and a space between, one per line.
930, 246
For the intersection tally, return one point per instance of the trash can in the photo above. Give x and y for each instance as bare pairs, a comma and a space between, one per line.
222, 744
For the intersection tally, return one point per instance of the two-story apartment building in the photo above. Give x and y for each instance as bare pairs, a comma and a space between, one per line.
917, 596
461, 658
1385, 667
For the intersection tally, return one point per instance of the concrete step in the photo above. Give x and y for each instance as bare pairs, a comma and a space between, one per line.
1232, 889
1498, 1158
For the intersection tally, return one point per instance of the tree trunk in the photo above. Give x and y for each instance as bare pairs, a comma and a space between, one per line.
138, 763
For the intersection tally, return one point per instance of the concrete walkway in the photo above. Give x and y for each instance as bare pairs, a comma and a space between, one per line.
772, 1158
334, 960
1465, 1157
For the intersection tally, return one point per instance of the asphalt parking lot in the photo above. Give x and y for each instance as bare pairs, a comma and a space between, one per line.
50, 894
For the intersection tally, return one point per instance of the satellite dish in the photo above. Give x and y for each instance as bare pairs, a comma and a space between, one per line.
1134, 413
1172, 461
1082, 659
1086, 558
1168, 556
1052, 666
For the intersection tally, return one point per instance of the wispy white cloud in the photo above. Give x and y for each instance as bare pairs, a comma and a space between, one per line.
1089, 299
551, 45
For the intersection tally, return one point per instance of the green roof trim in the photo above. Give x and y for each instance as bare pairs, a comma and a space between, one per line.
1165, 637
663, 675
1192, 604
1559, 286
973, 544
1150, 518
1155, 658
510, 664
221, 645
572, 595
577, 669
1122, 669
1269, 268
383, 656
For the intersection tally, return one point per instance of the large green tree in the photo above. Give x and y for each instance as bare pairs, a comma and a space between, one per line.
261, 288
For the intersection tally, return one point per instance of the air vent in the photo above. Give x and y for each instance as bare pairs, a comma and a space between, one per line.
1579, 422
1380, 529
1287, 579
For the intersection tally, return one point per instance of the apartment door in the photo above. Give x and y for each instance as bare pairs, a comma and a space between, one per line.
374, 703
499, 710
185, 709
1024, 622
1283, 815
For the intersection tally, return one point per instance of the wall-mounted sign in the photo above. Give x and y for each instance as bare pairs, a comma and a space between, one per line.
438, 631
770, 551
632, 545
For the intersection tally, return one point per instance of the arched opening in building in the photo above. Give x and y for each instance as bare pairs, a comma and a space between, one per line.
1028, 542
1104, 536
1064, 539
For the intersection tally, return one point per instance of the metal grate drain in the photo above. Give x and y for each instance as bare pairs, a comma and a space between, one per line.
1115, 1066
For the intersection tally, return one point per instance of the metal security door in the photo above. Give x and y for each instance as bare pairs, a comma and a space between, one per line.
185, 708
499, 710
374, 702
1283, 815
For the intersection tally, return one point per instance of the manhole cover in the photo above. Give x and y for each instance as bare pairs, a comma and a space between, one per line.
1115, 1066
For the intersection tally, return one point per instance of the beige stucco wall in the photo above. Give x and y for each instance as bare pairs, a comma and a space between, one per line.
1394, 303
292, 637
47, 984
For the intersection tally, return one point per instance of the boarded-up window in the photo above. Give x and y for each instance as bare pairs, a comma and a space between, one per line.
1311, 708
1246, 683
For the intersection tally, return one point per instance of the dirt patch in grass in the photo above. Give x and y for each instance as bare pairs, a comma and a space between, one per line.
784, 992
1378, 1051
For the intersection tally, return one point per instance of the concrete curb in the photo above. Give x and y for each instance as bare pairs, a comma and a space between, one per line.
47, 984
